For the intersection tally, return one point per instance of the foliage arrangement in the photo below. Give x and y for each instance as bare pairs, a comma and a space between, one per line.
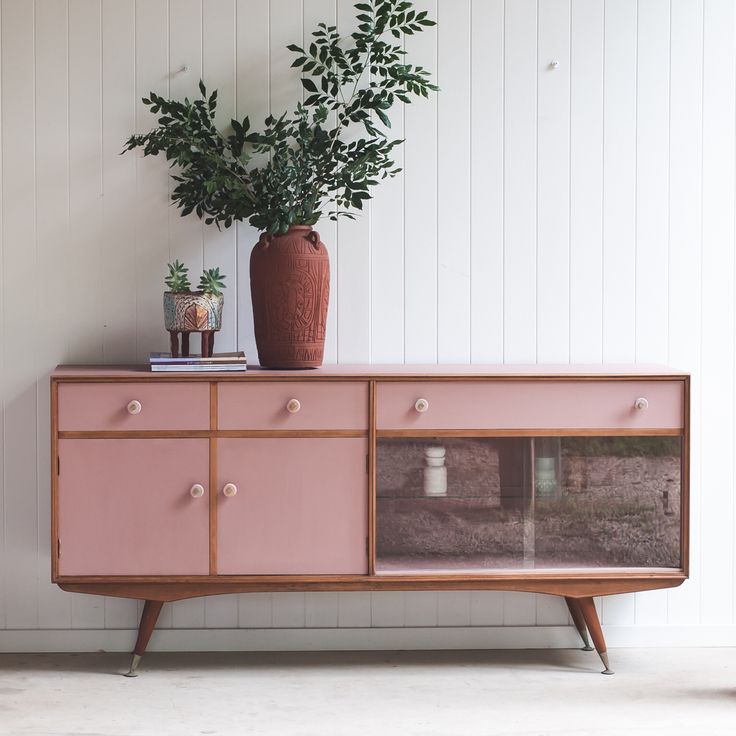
210, 282
322, 158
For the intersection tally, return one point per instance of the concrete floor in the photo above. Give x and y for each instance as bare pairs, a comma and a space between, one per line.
531, 692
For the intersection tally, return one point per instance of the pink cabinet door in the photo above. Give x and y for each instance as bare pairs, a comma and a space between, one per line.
126, 507
300, 506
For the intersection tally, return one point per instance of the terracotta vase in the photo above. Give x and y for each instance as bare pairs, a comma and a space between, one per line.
290, 289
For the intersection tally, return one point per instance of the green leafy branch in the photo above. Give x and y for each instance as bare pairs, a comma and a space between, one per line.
311, 170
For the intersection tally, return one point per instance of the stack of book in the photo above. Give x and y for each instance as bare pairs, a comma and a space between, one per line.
195, 363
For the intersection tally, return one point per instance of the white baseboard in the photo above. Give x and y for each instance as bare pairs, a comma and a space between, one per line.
477, 637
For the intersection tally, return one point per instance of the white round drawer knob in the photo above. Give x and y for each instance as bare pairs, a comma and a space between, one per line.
293, 406
641, 404
134, 407
197, 490
229, 490
421, 405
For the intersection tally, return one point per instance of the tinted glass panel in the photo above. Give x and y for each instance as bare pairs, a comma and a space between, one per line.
458, 504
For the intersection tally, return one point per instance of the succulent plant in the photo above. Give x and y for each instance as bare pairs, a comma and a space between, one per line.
212, 281
178, 278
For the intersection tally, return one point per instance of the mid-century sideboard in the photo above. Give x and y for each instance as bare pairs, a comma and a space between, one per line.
564, 480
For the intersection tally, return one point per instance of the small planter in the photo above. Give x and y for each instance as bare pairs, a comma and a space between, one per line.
189, 312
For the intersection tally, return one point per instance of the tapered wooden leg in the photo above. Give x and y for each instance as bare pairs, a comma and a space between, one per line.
174, 343
184, 344
151, 610
587, 607
579, 621
206, 344
211, 343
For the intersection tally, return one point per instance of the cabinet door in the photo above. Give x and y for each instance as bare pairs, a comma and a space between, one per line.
125, 507
300, 507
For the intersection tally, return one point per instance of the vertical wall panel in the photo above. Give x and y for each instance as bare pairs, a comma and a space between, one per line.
420, 205
20, 314
453, 180
253, 100
717, 392
486, 181
619, 211
152, 175
586, 181
520, 181
387, 256
185, 235
553, 182
685, 231
354, 264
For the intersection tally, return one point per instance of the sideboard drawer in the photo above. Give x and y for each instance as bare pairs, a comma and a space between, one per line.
598, 404
293, 405
133, 406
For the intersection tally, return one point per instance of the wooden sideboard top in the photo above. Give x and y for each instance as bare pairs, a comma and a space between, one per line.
366, 371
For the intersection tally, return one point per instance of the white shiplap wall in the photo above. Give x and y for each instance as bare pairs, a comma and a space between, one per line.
578, 214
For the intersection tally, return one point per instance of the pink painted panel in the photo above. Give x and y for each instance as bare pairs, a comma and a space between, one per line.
104, 406
530, 405
301, 506
262, 405
125, 507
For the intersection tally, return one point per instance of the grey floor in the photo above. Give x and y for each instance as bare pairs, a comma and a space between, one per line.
654, 691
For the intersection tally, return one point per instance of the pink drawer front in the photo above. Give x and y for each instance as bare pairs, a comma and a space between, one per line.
104, 406
264, 405
531, 405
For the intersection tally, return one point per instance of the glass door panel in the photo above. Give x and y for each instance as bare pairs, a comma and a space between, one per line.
474, 504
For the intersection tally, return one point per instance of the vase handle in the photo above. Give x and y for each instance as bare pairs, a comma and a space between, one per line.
313, 237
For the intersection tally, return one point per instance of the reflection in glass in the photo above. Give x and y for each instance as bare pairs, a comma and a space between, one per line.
458, 504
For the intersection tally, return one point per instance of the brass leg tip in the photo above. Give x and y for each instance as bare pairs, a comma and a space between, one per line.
587, 648
586, 641
604, 659
133, 671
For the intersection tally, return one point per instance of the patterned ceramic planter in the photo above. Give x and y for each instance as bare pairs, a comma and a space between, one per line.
192, 311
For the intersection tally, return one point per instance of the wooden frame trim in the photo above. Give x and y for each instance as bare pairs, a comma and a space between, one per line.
55, 543
254, 376
572, 575
372, 478
205, 433
574, 588
685, 484
558, 432
212, 490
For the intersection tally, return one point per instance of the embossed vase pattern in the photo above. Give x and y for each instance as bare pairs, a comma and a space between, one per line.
290, 289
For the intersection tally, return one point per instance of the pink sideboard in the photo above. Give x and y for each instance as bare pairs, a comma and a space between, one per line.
169, 486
